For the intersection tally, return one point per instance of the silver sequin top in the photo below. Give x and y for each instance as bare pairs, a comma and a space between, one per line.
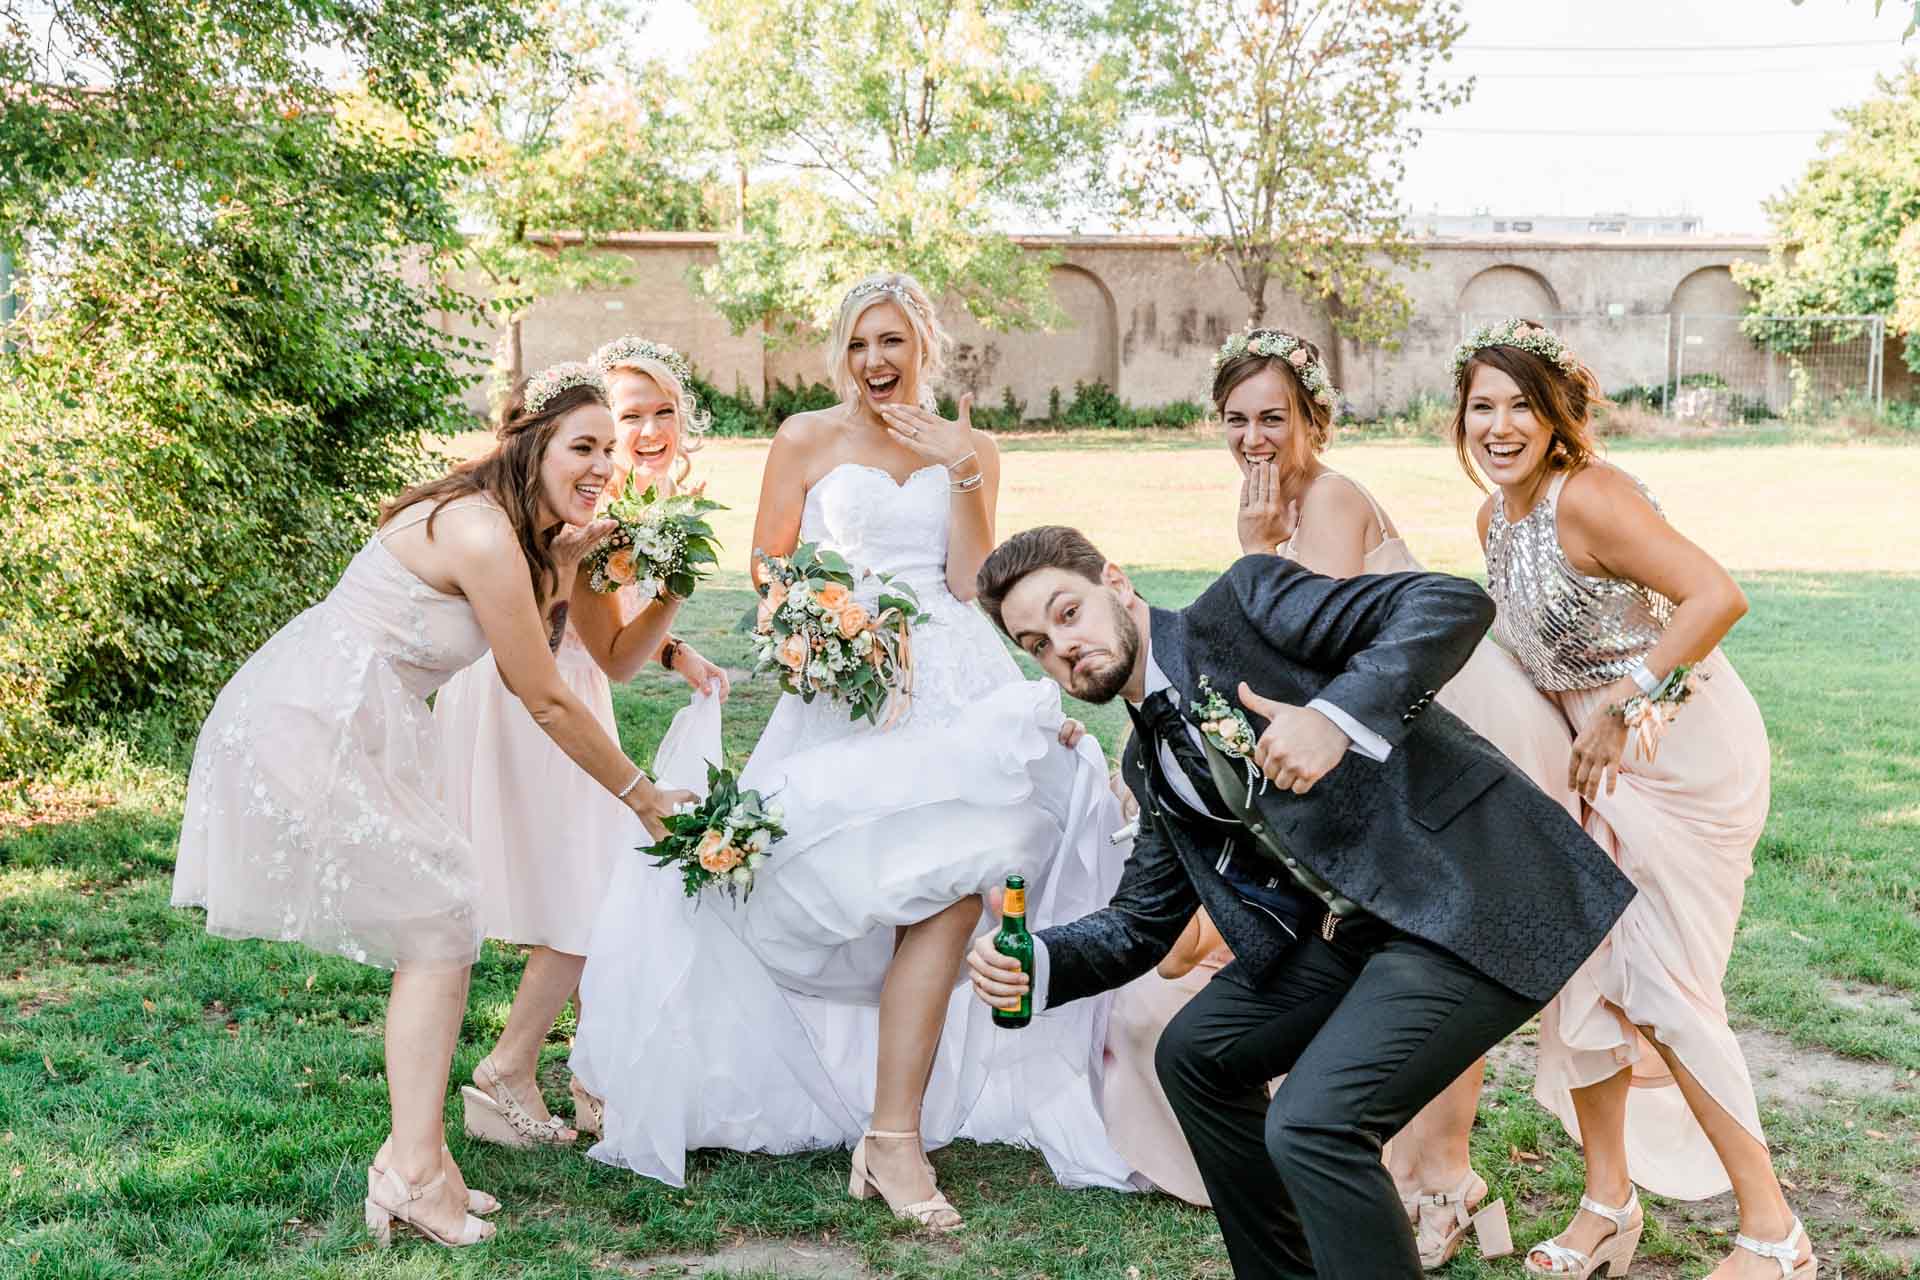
1569, 631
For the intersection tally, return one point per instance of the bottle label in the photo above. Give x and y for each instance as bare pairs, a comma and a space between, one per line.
1016, 903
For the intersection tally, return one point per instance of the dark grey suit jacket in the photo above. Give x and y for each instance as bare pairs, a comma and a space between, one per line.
1445, 840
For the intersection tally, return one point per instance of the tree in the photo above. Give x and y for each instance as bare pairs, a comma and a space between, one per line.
1913, 23
899, 135
566, 132
1844, 235
219, 362
1276, 130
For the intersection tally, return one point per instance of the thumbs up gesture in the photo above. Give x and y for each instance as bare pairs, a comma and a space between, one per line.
1299, 747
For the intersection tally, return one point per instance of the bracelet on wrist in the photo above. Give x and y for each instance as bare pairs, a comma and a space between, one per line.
627, 790
971, 455
1642, 676
968, 485
670, 651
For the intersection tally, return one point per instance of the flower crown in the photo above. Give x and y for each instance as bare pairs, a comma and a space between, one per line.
1284, 346
1524, 334
543, 386
631, 348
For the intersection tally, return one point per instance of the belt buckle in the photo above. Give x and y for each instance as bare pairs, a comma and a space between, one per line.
1329, 924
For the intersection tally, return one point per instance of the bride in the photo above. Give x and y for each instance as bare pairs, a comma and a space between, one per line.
823, 1010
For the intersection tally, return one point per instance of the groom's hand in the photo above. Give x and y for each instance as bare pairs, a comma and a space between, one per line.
997, 978
1299, 747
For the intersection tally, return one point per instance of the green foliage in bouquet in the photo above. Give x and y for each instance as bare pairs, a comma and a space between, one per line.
724, 841
659, 543
819, 637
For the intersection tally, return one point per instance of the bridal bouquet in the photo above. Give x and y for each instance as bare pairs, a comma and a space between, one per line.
819, 639
723, 841
658, 543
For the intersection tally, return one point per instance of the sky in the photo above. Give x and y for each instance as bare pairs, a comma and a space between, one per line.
1643, 106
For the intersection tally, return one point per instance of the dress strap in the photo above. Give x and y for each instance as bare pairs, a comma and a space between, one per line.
418, 517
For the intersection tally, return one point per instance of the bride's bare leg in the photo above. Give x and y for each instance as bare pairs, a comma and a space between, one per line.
913, 1005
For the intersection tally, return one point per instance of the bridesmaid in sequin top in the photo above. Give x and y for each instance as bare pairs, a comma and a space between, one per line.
1600, 599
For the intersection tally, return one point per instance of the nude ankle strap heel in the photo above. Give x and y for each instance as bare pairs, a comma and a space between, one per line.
390, 1198
1439, 1237
933, 1213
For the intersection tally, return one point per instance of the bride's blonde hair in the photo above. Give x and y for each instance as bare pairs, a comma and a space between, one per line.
906, 293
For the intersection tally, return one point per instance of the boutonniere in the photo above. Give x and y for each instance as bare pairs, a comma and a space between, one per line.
1229, 730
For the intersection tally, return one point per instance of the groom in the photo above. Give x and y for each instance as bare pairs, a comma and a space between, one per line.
1397, 895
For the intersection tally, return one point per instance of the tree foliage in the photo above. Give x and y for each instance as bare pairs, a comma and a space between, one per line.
1276, 130
567, 131
229, 343
899, 135
1846, 235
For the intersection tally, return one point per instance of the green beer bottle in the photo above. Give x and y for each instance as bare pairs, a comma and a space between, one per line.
1014, 940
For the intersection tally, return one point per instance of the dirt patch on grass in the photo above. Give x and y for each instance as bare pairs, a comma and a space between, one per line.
759, 1257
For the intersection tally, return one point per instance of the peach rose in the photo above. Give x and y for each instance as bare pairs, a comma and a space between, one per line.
1298, 357
715, 854
620, 566
832, 597
793, 652
776, 595
854, 619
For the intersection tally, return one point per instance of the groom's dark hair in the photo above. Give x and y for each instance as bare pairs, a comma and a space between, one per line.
1051, 546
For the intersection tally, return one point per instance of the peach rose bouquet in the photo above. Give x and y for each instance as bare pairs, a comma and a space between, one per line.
658, 544
724, 841
825, 627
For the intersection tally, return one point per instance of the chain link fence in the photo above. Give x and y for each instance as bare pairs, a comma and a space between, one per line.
1728, 368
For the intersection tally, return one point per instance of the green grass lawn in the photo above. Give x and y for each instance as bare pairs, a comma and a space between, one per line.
174, 1105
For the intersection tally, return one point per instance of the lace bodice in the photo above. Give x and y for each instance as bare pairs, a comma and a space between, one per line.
424, 634
1570, 630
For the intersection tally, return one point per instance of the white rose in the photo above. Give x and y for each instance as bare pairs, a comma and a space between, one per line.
755, 861
742, 876
646, 590
863, 643
777, 812
757, 842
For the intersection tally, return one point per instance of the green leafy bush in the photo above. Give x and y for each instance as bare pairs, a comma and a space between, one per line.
802, 397
733, 415
228, 350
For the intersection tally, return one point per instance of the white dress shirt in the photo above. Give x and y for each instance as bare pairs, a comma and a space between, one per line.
1361, 739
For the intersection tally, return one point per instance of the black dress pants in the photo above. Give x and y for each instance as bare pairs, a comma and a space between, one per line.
1367, 1029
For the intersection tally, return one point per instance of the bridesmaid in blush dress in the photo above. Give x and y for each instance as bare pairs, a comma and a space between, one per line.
544, 835
1275, 400
314, 811
1603, 601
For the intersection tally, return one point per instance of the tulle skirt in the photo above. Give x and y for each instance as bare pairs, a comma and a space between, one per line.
754, 1026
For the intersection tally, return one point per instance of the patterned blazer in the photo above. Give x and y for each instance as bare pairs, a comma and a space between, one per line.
1446, 839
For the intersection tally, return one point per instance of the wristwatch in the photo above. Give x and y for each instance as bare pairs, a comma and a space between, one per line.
669, 651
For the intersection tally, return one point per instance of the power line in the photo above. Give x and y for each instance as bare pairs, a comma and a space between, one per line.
1691, 74
1630, 133
1673, 48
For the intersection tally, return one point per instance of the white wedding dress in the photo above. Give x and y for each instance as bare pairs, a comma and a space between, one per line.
753, 1027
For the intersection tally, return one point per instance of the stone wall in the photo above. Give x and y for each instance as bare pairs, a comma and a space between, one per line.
1146, 316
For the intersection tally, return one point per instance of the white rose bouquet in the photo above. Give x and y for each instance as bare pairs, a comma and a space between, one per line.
820, 639
658, 544
724, 841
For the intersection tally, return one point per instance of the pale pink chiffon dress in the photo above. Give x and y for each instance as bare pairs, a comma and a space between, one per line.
1682, 827
314, 810
545, 836
1494, 696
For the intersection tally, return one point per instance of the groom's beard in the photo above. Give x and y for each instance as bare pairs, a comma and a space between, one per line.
1102, 683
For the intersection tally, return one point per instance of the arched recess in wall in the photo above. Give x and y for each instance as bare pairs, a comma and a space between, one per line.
1710, 291
1033, 364
1507, 290
1091, 347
